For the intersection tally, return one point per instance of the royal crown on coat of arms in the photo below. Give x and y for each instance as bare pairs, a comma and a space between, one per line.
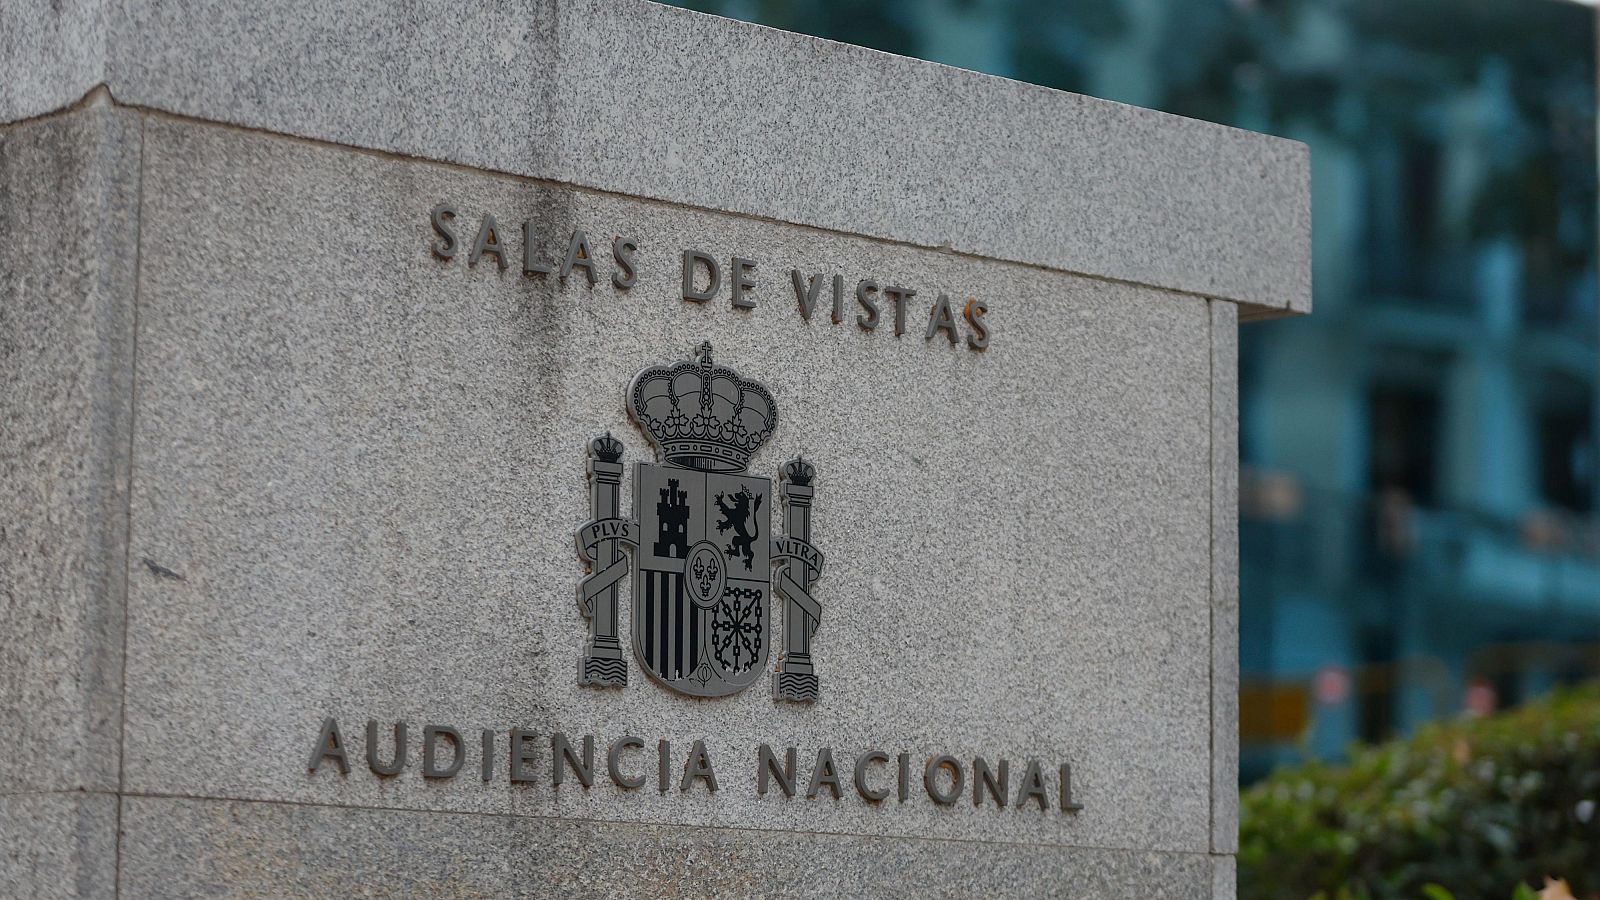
705, 561
703, 416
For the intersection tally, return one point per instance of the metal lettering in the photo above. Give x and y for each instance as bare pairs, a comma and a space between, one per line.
330, 745
805, 292
863, 288
823, 773
690, 259
899, 295
562, 757
767, 768
944, 788
870, 294
627, 273
446, 247
862, 761
940, 319
698, 765
983, 779
979, 338
958, 778
430, 738
742, 282
578, 256
1067, 803
1032, 786
488, 241
398, 762
522, 754
531, 266
614, 762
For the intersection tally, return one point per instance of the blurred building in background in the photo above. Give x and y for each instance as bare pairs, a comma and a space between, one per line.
1419, 495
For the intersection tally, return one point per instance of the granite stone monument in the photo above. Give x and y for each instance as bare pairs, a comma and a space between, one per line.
594, 448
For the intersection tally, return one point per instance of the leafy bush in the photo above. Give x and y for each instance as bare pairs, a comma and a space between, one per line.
1471, 808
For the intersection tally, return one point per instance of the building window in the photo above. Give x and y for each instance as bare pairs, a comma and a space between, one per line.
1404, 423
1566, 460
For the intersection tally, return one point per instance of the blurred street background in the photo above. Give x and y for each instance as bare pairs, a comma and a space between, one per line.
1420, 545
1418, 503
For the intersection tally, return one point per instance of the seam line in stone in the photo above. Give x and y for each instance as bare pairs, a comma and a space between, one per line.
618, 823
127, 521
1263, 309
84, 102
59, 792
1211, 573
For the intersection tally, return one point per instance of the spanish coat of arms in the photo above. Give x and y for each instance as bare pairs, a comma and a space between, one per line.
706, 558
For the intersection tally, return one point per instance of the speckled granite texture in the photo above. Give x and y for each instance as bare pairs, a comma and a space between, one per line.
68, 239
268, 459
58, 844
184, 847
653, 101
1224, 578
50, 55
367, 471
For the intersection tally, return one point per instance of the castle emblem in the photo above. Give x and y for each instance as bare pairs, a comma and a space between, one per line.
707, 561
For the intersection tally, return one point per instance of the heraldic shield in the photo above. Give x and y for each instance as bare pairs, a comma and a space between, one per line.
703, 548
700, 619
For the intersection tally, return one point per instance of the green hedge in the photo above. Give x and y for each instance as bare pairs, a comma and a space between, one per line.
1476, 806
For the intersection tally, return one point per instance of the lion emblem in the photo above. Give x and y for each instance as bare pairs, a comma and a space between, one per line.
739, 517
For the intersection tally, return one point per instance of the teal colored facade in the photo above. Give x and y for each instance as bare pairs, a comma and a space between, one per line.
1419, 494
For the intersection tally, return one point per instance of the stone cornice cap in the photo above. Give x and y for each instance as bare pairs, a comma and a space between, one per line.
658, 102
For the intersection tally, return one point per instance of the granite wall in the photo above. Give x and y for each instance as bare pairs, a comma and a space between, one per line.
278, 451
